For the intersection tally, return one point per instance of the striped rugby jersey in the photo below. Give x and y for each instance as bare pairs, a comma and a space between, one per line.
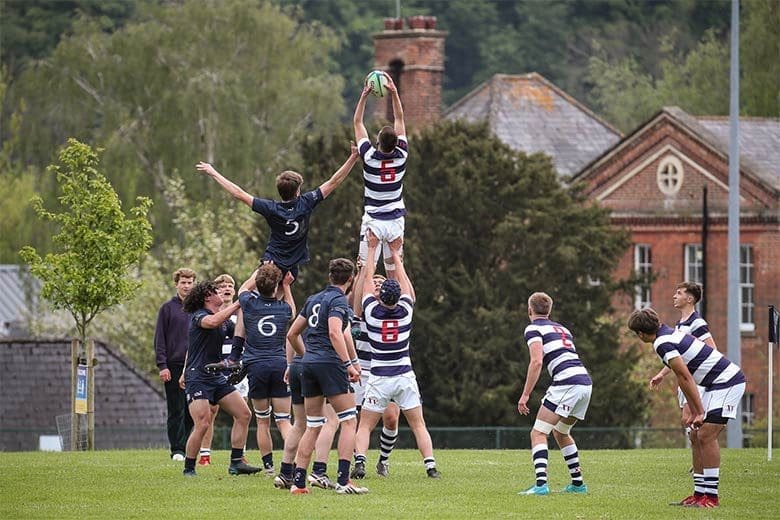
388, 333
695, 326
708, 367
560, 355
383, 176
362, 344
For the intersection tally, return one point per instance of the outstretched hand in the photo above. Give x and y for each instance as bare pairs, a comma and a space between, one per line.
206, 167
371, 238
288, 278
390, 84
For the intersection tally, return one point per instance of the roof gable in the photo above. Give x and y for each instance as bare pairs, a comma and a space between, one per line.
532, 115
627, 178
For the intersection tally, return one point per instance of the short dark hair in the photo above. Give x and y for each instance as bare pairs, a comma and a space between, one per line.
644, 320
339, 270
197, 297
267, 279
387, 139
288, 183
691, 288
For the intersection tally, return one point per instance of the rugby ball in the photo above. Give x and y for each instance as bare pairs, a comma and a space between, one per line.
377, 82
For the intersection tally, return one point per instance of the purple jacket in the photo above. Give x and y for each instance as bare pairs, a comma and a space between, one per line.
171, 335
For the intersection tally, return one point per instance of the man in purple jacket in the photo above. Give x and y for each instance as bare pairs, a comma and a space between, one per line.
170, 345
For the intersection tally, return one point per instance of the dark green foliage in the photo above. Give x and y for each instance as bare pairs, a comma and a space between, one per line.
486, 227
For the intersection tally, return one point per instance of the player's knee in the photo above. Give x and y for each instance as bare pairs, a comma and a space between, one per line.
543, 427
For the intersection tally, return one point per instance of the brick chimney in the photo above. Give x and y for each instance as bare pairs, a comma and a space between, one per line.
414, 57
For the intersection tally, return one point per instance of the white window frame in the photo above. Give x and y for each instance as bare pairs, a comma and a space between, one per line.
694, 266
669, 175
643, 266
747, 306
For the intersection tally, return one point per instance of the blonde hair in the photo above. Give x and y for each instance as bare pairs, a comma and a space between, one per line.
540, 303
225, 278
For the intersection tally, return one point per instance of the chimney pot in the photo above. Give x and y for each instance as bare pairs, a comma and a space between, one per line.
389, 24
430, 22
416, 22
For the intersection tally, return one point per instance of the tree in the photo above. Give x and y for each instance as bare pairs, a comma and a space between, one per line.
237, 83
487, 226
97, 242
628, 92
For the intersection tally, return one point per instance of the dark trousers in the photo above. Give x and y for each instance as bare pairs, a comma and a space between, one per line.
179, 420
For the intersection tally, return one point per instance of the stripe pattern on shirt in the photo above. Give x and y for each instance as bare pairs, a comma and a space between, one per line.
388, 333
708, 367
383, 176
560, 354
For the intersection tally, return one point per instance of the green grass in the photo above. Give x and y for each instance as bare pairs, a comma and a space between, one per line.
476, 484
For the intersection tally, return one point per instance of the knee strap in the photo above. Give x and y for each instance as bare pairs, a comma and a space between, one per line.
349, 413
281, 416
563, 428
313, 421
543, 427
263, 414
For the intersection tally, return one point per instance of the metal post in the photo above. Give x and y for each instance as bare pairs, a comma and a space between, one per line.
734, 343
90, 394
74, 418
772, 337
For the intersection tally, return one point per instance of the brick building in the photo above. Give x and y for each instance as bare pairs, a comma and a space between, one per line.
654, 180
668, 183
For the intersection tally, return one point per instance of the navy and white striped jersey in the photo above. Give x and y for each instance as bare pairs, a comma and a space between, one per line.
560, 355
265, 322
362, 344
388, 332
695, 326
328, 303
289, 223
383, 175
708, 367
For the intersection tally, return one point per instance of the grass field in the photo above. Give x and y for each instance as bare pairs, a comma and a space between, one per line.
476, 484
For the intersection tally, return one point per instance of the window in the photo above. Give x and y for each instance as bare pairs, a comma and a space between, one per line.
746, 286
669, 175
694, 266
643, 268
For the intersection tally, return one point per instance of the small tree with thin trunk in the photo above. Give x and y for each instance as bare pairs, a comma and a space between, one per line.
96, 244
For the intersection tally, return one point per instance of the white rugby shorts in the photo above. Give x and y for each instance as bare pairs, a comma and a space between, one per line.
569, 400
385, 230
681, 396
726, 399
403, 390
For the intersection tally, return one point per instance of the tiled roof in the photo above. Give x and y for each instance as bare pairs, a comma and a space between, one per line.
532, 115
759, 143
18, 291
130, 409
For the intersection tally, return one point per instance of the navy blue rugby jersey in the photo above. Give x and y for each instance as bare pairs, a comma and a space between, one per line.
265, 322
327, 303
289, 223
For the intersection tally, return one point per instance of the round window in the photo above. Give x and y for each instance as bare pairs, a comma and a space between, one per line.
669, 175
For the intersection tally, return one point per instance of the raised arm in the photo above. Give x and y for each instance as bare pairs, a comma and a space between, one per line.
337, 178
249, 284
400, 270
357, 290
287, 291
234, 189
212, 321
398, 110
357, 119
370, 266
